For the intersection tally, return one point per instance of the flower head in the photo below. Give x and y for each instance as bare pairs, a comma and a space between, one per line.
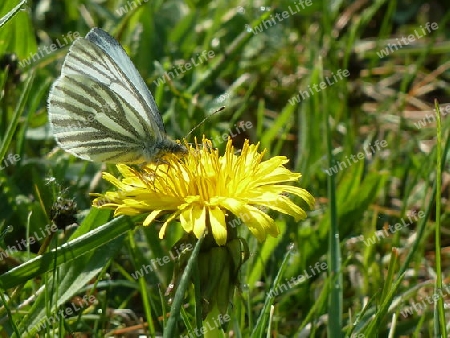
201, 188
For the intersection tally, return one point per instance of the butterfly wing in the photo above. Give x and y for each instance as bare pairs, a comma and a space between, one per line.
113, 49
100, 108
88, 121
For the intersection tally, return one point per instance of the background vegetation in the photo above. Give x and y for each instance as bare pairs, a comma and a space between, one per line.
369, 281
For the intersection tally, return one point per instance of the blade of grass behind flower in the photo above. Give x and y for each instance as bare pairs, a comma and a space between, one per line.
309, 116
361, 320
389, 290
35, 100
6, 141
172, 323
11, 13
335, 309
17, 35
386, 27
257, 266
260, 119
11, 325
137, 260
437, 240
279, 129
261, 323
319, 304
423, 221
369, 320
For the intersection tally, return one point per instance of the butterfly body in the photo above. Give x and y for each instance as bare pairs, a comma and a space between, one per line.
100, 108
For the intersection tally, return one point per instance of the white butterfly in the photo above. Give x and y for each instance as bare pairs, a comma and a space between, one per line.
100, 108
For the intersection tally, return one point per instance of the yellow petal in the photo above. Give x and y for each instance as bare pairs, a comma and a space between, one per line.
260, 220
186, 220
286, 206
257, 221
166, 223
218, 226
302, 193
199, 221
150, 218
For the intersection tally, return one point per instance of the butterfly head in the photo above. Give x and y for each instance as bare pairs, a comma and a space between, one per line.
166, 146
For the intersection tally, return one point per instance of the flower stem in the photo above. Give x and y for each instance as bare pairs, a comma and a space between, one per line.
181, 289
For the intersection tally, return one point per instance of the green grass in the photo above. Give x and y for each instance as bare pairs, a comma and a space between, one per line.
366, 285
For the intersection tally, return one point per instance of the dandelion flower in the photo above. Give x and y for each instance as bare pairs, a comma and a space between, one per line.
202, 188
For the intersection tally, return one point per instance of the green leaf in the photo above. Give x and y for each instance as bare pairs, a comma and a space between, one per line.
74, 275
67, 252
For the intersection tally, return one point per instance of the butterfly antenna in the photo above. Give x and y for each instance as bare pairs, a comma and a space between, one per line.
203, 121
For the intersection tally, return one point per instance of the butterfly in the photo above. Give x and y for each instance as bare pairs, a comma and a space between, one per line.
100, 108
